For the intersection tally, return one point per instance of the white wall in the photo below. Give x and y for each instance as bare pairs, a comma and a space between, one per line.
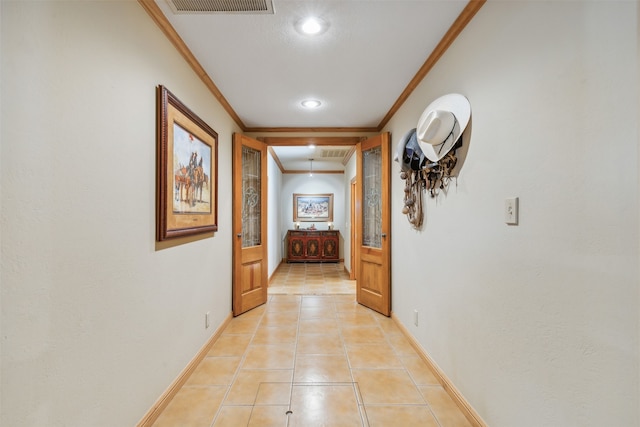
349, 174
536, 324
96, 322
319, 183
1, 203
275, 231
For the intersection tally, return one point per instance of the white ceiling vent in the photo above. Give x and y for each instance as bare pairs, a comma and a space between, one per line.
221, 6
334, 153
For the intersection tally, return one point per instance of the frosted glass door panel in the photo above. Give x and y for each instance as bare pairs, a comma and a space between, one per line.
371, 195
251, 218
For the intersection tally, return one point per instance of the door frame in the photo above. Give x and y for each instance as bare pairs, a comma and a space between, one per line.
353, 235
354, 201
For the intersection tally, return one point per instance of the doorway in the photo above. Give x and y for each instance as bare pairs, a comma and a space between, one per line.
292, 172
281, 221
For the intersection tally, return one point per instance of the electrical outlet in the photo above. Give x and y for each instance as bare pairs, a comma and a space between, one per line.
511, 211
206, 320
415, 317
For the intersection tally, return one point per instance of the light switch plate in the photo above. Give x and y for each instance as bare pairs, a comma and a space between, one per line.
511, 211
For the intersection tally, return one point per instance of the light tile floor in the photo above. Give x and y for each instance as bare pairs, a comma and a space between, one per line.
308, 360
311, 279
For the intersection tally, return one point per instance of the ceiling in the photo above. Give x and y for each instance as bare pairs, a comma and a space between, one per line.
361, 68
312, 158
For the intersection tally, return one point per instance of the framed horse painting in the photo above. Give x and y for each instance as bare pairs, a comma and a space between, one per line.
187, 168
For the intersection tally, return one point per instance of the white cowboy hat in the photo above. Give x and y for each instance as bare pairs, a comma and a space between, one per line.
408, 153
441, 125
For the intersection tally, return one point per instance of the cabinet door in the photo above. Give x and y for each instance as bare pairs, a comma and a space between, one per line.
330, 247
313, 246
296, 246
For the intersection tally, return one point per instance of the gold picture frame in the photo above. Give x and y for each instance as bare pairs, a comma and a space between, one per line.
187, 170
313, 207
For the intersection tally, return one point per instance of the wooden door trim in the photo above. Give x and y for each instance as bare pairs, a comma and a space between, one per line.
353, 235
357, 225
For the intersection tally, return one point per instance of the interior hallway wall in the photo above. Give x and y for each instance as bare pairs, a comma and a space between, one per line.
96, 321
349, 174
319, 183
536, 324
276, 233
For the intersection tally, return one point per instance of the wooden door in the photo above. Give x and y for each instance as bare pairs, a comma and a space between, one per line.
250, 262
373, 215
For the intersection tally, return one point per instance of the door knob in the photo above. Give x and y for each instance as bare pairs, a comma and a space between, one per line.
239, 234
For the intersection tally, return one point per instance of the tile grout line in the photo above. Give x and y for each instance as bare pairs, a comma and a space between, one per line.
295, 357
345, 316
404, 366
364, 418
237, 372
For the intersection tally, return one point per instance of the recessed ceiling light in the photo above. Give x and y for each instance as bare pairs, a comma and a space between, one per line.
311, 103
311, 26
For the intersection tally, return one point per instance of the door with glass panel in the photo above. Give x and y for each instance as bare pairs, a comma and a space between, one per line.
373, 214
249, 224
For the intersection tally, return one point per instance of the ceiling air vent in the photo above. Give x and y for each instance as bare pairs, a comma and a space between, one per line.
334, 153
221, 6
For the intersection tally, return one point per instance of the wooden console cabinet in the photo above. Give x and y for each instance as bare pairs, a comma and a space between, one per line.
313, 246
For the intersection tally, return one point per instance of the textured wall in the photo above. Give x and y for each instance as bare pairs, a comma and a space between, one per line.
96, 322
349, 174
275, 214
536, 324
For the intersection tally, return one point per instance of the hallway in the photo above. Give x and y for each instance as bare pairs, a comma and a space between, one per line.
310, 357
